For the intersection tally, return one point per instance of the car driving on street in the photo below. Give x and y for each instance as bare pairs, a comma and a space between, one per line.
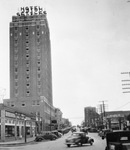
78, 138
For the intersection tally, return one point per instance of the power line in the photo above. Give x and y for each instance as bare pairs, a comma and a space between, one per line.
122, 105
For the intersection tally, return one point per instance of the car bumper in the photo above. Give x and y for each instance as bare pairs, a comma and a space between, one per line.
71, 143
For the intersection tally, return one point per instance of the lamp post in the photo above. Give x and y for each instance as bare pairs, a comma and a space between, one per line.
25, 138
50, 118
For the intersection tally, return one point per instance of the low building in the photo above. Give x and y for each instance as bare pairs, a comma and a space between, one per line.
58, 116
115, 120
15, 124
91, 116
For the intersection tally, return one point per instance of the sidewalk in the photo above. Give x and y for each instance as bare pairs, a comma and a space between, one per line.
17, 142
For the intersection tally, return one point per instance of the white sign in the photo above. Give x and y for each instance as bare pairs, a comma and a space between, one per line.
31, 10
8, 114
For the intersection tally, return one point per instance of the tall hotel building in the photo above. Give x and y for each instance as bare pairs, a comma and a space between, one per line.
30, 63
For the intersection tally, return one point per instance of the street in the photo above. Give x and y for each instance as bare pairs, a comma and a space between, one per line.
59, 144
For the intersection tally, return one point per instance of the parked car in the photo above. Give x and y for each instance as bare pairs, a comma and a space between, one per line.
39, 138
58, 134
79, 138
84, 130
93, 130
47, 136
104, 132
50, 136
118, 140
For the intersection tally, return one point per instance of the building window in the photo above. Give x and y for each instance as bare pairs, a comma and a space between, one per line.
38, 33
27, 84
12, 104
27, 49
28, 93
23, 104
27, 28
27, 56
38, 62
27, 62
16, 28
38, 102
16, 41
38, 68
27, 70
38, 27
16, 69
27, 77
16, 34
27, 43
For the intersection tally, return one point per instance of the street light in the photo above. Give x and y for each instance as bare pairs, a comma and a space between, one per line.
50, 118
25, 138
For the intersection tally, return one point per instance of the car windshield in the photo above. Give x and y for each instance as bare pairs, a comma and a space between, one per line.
76, 134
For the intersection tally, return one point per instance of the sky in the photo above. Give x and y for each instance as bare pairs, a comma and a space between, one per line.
90, 48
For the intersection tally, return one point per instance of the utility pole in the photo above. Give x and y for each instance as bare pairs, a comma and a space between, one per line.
103, 108
103, 112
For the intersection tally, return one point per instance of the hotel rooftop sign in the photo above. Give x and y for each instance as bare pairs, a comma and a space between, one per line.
31, 10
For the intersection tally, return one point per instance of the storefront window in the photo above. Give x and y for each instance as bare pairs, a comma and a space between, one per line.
9, 131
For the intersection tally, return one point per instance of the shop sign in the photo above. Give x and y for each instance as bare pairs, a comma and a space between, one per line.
31, 10
115, 116
9, 114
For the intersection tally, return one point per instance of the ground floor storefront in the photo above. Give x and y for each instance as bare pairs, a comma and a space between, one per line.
15, 125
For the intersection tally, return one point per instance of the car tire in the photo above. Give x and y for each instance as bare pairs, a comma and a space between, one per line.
91, 143
68, 145
80, 144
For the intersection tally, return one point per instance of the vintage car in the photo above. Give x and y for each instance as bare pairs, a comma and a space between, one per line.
118, 140
58, 134
104, 132
47, 136
78, 138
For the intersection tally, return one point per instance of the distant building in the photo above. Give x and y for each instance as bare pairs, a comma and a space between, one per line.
30, 65
58, 117
91, 116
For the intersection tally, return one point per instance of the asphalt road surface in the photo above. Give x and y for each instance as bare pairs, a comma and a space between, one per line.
59, 144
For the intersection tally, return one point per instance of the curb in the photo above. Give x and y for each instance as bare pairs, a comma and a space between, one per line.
16, 144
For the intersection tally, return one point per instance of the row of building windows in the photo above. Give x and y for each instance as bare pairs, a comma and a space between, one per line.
15, 62
27, 60
38, 60
23, 104
27, 35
